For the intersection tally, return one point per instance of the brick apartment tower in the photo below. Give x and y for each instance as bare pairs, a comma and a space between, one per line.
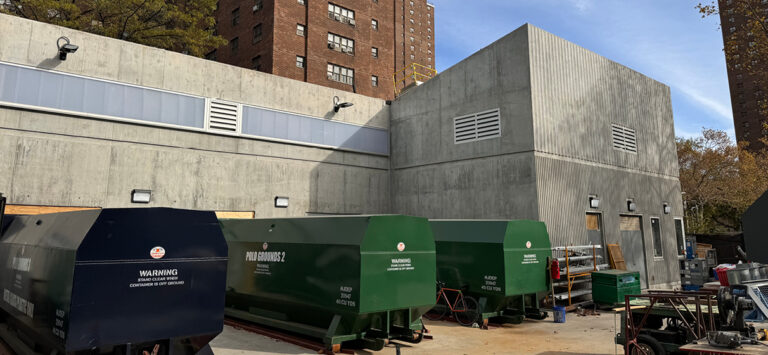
746, 89
345, 44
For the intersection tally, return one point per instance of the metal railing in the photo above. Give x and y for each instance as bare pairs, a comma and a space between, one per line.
415, 72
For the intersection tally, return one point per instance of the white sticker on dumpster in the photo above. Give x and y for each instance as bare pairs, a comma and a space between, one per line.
400, 264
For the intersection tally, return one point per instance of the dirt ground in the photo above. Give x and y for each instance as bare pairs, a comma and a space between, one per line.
579, 335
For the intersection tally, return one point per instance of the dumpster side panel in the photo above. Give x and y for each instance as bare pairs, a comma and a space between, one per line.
38, 261
301, 270
398, 268
526, 248
478, 268
126, 290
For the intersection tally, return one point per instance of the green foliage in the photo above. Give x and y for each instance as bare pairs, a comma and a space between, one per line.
179, 25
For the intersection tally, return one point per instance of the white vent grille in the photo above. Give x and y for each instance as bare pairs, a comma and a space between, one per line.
477, 126
223, 116
624, 138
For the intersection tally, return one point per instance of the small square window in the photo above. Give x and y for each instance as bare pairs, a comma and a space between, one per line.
258, 5
374, 25
374, 52
302, 2
374, 80
235, 16
256, 63
300, 61
234, 44
300, 29
257, 33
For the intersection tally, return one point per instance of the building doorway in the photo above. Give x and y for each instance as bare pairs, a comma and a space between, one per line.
595, 234
633, 246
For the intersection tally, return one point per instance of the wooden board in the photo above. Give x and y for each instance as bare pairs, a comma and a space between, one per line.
236, 214
33, 210
616, 257
593, 222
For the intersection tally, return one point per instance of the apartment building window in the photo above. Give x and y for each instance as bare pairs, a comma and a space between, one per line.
300, 29
411, 21
411, 3
300, 61
235, 16
413, 57
258, 5
374, 52
412, 39
374, 25
341, 74
413, 48
341, 14
302, 2
411, 30
256, 63
374, 80
211, 55
234, 45
339, 43
257, 33
411, 11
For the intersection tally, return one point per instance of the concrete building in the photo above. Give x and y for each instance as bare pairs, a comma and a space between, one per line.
530, 127
748, 90
118, 116
352, 45
534, 127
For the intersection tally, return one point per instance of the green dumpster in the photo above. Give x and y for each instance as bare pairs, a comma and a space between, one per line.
350, 278
501, 264
610, 286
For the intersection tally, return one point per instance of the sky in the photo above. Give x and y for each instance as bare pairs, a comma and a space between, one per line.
667, 40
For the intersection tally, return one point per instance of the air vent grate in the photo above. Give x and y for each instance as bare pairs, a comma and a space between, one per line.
624, 138
478, 126
223, 116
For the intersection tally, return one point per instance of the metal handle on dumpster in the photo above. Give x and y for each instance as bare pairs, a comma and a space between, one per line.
2, 212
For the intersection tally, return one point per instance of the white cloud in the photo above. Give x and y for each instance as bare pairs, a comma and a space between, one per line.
715, 105
581, 6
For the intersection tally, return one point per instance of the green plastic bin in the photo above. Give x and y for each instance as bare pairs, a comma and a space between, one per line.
610, 286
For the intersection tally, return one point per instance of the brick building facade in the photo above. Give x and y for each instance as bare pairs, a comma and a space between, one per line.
353, 45
746, 75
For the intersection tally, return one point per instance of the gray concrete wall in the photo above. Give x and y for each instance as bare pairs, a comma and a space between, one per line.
563, 190
577, 95
70, 160
492, 178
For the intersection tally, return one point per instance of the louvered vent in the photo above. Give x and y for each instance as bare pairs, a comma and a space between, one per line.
624, 138
223, 116
478, 126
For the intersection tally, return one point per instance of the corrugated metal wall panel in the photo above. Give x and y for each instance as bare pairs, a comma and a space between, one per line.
578, 94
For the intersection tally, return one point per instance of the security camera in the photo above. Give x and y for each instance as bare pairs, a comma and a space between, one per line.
65, 48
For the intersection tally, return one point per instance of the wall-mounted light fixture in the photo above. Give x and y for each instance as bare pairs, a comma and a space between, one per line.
281, 202
594, 202
631, 206
667, 208
337, 105
65, 47
141, 196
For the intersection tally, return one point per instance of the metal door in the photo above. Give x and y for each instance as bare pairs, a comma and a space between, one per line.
595, 234
633, 246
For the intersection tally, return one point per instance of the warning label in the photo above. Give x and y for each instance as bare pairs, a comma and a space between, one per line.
262, 269
19, 303
157, 278
530, 259
403, 264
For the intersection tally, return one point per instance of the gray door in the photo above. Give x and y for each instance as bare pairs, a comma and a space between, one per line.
633, 246
595, 234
